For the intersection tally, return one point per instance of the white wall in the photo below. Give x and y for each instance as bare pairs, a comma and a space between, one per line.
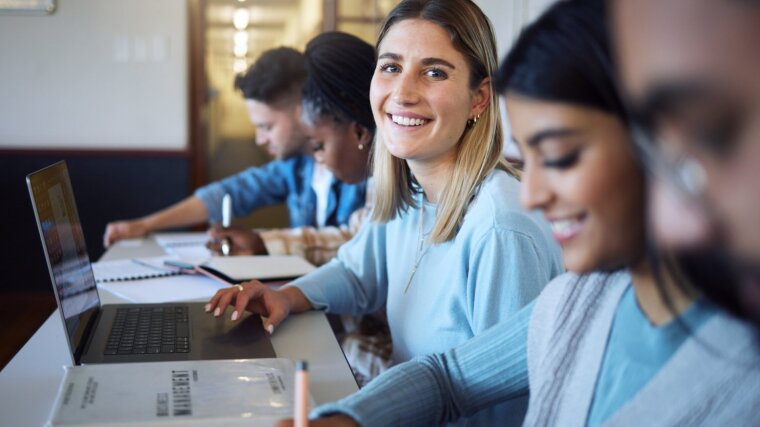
508, 18
97, 74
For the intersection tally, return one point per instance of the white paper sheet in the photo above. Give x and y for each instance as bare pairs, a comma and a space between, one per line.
190, 247
165, 289
133, 269
191, 254
181, 239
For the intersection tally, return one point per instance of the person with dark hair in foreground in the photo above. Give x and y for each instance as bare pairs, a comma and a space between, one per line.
693, 86
600, 346
272, 91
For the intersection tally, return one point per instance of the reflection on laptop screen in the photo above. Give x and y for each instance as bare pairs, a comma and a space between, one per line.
65, 248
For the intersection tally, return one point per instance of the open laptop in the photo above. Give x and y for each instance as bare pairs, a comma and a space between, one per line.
125, 332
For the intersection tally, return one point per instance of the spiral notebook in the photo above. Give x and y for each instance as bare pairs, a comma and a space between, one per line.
133, 269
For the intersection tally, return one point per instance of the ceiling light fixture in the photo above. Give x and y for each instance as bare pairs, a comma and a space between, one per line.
240, 19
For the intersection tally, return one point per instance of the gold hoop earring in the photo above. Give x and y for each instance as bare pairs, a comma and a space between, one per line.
472, 122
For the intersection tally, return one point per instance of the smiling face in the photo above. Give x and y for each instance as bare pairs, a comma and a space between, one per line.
421, 95
336, 145
581, 172
277, 129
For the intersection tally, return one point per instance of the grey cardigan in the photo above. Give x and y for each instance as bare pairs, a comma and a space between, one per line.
713, 379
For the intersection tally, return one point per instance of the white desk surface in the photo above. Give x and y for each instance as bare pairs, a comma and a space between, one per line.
28, 384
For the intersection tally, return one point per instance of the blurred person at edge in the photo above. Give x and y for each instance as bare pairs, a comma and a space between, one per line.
692, 81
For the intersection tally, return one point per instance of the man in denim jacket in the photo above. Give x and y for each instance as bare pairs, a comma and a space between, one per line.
272, 92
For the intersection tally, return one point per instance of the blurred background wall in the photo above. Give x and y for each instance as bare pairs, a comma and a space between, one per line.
138, 97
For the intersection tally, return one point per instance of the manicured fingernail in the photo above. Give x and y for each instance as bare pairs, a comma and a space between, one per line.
217, 312
208, 307
270, 329
234, 315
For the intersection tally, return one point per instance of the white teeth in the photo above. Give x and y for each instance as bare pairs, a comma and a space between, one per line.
407, 121
565, 228
563, 225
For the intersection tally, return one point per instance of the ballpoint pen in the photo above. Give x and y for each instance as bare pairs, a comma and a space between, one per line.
226, 219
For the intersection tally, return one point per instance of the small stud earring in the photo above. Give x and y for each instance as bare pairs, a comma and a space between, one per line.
361, 147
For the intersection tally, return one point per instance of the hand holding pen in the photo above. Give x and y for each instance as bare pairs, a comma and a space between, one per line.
243, 240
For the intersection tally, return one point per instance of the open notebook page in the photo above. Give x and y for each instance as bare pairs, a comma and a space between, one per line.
133, 269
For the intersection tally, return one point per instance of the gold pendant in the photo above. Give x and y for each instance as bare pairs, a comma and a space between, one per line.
409, 283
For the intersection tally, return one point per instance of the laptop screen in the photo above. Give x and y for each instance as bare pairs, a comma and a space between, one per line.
65, 250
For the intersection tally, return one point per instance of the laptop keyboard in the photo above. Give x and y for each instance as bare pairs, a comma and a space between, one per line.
149, 330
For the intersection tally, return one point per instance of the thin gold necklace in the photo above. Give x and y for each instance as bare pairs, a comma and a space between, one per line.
420, 242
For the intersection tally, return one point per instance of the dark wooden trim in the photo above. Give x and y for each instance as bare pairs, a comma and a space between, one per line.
197, 132
21, 314
61, 152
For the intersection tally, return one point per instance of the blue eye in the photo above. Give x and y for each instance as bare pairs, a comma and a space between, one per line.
436, 73
389, 68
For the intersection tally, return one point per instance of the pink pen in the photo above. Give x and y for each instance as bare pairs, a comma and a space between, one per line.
198, 269
301, 416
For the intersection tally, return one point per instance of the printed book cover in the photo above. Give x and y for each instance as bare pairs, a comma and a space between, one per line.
248, 392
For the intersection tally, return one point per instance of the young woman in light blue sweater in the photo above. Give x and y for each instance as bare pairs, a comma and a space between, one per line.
601, 346
449, 251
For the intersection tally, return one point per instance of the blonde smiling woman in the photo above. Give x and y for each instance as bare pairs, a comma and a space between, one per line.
449, 252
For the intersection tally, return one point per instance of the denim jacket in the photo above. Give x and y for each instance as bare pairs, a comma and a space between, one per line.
283, 181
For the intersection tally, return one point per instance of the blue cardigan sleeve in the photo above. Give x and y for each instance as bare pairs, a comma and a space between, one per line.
505, 274
355, 281
251, 189
486, 370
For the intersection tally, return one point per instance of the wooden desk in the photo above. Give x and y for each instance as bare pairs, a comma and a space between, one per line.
28, 384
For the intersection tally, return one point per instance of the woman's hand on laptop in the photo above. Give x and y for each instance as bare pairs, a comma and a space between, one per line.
260, 299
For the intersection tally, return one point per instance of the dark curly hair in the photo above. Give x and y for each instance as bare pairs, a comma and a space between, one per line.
276, 77
340, 68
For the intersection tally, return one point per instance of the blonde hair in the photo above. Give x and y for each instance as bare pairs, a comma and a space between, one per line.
479, 148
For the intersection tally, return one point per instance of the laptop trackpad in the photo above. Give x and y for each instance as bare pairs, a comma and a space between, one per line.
221, 338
